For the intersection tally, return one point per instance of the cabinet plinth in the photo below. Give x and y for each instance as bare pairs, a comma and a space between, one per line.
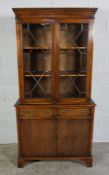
55, 112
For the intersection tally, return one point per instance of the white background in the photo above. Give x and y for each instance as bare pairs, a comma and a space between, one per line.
8, 64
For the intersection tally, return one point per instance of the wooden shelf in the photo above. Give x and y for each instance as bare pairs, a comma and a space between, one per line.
37, 75
47, 48
72, 48
62, 74
36, 48
73, 75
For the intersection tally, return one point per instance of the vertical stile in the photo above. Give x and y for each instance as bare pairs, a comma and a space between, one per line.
55, 62
20, 59
89, 58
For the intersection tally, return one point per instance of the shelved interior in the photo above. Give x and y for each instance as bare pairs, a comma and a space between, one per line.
73, 59
37, 46
37, 59
37, 36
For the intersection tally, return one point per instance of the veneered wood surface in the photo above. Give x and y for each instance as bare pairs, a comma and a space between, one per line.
38, 138
76, 13
72, 137
54, 85
55, 127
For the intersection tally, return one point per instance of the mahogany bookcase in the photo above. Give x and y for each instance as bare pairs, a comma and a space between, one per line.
55, 112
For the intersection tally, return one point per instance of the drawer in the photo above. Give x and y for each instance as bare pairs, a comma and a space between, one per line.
74, 111
35, 113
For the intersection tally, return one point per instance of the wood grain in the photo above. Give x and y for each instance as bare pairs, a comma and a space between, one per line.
55, 113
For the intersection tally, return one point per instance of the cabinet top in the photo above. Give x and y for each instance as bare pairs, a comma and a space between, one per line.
78, 13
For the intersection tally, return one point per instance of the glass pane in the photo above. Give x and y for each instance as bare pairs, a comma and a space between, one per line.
37, 45
73, 60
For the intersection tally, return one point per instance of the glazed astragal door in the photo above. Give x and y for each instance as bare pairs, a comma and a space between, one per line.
37, 61
55, 58
73, 49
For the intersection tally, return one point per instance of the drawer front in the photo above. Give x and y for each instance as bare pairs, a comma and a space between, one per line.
34, 113
74, 111
53, 113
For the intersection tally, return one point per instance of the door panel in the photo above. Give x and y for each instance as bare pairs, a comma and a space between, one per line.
72, 137
38, 137
73, 60
37, 60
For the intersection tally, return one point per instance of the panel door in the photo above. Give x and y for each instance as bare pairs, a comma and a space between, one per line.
73, 137
73, 60
38, 138
35, 49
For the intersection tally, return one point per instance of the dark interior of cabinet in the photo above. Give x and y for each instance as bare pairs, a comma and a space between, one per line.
37, 58
34, 89
37, 35
73, 59
37, 45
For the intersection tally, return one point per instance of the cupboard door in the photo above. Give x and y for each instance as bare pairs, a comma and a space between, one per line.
36, 47
73, 47
38, 138
72, 137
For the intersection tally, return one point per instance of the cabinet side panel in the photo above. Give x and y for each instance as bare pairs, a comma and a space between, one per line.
18, 133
